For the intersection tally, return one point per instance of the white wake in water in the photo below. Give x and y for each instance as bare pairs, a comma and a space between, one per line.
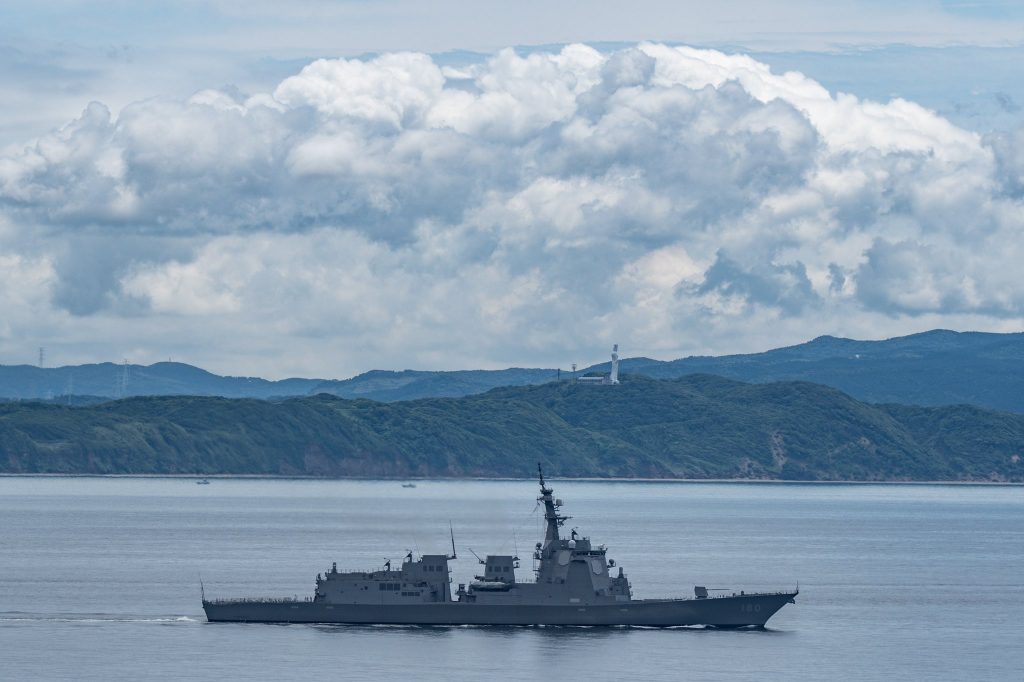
11, 617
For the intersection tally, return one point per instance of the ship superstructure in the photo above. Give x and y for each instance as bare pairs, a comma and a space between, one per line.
569, 570
574, 584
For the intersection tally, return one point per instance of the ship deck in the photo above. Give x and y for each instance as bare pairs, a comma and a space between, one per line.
228, 601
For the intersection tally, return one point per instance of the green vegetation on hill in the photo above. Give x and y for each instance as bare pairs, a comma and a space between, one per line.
697, 427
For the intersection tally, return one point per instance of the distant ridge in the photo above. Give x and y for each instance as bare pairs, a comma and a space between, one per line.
410, 384
28, 382
938, 367
162, 378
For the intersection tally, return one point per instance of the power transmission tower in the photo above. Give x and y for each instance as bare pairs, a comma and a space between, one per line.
121, 387
124, 379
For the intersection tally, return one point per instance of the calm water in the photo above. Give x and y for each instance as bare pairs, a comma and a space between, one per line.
99, 578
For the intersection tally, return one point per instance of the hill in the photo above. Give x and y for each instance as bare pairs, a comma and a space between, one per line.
387, 386
27, 382
933, 368
109, 380
695, 427
939, 367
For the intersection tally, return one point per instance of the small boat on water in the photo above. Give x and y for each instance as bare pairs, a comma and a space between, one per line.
202, 481
408, 485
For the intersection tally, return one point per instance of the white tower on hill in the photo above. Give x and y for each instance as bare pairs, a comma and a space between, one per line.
610, 380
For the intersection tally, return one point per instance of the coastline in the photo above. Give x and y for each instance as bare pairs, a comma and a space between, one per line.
455, 479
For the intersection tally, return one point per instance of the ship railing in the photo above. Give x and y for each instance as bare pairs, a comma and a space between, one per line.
729, 595
370, 571
259, 600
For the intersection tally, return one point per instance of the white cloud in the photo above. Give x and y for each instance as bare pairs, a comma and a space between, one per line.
393, 212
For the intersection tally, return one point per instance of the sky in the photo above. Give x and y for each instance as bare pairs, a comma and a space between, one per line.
339, 186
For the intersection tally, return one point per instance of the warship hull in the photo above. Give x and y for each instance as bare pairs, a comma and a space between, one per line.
725, 612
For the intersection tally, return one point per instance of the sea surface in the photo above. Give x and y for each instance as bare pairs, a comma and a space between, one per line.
100, 578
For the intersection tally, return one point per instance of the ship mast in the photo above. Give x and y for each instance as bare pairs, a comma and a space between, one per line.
551, 515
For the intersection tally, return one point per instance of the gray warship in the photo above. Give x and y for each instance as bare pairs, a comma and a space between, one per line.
573, 585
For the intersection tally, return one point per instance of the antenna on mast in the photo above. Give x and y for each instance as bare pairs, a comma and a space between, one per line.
544, 490
452, 532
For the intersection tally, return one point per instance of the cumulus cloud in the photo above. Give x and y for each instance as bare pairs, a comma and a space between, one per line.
393, 211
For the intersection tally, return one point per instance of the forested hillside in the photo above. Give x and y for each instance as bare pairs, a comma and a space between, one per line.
697, 427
